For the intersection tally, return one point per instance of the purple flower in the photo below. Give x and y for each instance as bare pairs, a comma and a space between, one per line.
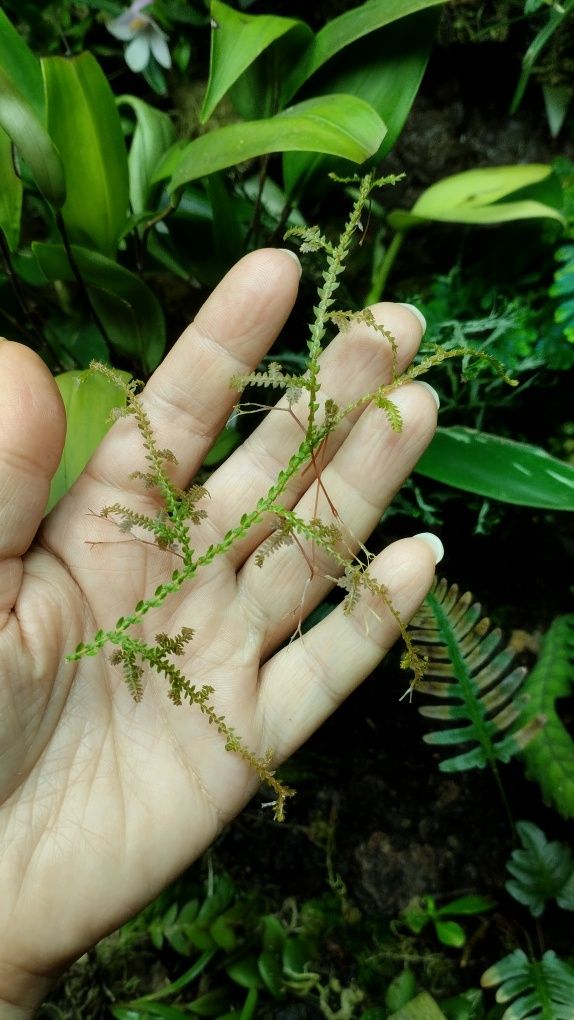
143, 35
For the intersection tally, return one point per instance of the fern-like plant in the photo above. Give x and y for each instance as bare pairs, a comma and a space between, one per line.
550, 758
473, 672
536, 990
540, 871
170, 529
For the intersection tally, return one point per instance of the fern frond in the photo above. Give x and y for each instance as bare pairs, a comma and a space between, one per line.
563, 287
392, 413
126, 658
537, 990
280, 538
541, 871
273, 376
475, 676
550, 758
165, 535
310, 239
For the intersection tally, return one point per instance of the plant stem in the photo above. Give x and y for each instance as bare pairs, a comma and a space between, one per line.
79, 278
381, 272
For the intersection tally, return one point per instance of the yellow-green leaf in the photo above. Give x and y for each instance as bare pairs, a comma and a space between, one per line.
89, 399
10, 194
19, 121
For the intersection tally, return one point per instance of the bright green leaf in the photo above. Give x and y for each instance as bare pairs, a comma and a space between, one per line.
84, 123
450, 933
129, 311
498, 468
154, 134
341, 125
422, 1007
21, 66
485, 195
89, 398
237, 39
10, 194
19, 121
346, 29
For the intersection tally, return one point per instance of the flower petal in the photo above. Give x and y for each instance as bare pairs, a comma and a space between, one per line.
159, 47
137, 54
122, 27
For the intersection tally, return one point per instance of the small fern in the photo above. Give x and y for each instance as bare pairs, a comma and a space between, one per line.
540, 871
550, 758
563, 288
475, 675
537, 990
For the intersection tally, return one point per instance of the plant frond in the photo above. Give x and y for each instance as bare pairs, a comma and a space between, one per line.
310, 239
550, 758
537, 990
393, 415
160, 525
540, 871
273, 376
473, 672
280, 538
126, 658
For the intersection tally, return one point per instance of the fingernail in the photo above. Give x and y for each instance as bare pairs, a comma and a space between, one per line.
294, 257
432, 391
416, 312
434, 543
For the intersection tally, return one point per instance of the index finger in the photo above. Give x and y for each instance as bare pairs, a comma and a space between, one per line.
188, 398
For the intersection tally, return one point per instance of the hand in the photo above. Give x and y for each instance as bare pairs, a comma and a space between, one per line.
103, 801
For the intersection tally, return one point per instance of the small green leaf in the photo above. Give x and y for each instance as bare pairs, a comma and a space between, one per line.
498, 468
540, 871
466, 905
88, 398
245, 972
450, 933
237, 39
401, 990
271, 972
84, 124
19, 121
341, 125
225, 443
274, 933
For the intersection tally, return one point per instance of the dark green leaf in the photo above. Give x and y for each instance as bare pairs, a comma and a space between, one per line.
401, 990
271, 972
129, 310
245, 972
545, 987
498, 468
541, 871
422, 1007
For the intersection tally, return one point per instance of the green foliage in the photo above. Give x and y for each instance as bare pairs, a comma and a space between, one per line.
540, 871
477, 681
420, 913
563, 289
550, 758
537, 990
498, 468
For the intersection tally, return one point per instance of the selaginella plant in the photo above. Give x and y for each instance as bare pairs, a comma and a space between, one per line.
171, 528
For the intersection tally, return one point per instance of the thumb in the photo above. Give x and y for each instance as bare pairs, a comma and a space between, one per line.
32, 433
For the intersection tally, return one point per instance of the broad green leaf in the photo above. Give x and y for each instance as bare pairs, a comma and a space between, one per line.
20, 122
84, 122
154, 134
89, 399
340, 125
487, 195
450, 933
346, 29
130, 312
385, 69
237, 39
10, 194
422, 1007
21, 66
499, 469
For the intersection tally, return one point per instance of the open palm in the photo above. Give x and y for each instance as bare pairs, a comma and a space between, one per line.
102, 800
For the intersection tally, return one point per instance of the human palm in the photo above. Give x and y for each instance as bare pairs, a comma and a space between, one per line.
102, 800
